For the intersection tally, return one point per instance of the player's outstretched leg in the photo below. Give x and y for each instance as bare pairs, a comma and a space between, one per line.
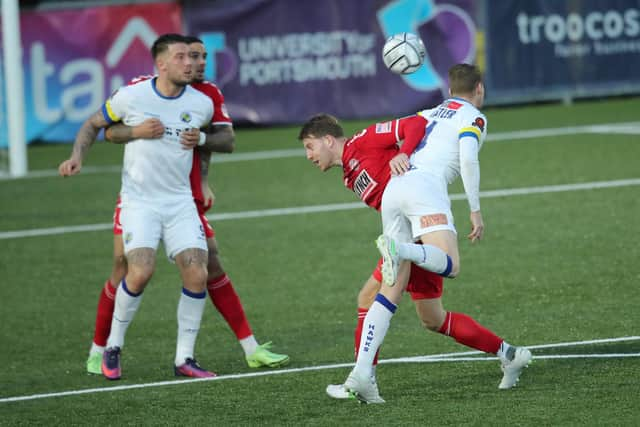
519, 359
390, 259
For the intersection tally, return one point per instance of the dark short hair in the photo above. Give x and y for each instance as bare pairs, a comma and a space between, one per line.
192, 39
463, 78
321, 125
163, 42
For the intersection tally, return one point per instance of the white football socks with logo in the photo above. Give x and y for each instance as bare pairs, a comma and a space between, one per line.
375, 327
190, 309
428, 257
125, 308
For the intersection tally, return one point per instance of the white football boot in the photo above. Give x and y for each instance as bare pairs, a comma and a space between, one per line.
363, 388
513, 368
337, 391
390, 259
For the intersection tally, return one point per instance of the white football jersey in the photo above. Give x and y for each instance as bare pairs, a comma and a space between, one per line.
157, 170
439, 151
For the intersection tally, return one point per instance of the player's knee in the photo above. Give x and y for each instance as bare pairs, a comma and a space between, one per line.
137, 278
455, 270
431, 323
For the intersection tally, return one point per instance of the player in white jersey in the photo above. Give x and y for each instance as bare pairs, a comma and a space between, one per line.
156, 195
416, 206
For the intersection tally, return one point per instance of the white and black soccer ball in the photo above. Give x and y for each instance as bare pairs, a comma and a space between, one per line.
403, 53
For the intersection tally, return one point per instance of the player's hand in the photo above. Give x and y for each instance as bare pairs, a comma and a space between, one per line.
477, 227
209, 197
399, 164
190, 138
70, 167
149, 129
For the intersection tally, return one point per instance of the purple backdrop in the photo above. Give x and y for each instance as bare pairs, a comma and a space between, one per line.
282, 61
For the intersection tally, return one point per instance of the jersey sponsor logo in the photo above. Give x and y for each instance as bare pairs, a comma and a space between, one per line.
453, 105
364, 185
185, 116
383, 127
479, 123
432, 220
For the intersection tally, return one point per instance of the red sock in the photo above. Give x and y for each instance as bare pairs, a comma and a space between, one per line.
467, 331
362, 313
226, 301
105, 314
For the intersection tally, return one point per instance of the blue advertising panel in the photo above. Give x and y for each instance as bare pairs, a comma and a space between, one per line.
539, 47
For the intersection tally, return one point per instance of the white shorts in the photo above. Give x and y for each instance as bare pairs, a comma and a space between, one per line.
414, 204
176, 224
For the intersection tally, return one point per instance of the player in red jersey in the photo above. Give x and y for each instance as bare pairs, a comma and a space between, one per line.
368, 159
219, 138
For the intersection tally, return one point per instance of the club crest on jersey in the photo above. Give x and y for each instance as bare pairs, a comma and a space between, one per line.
353, 164
185, 116
479, 123
383, 127
364, 185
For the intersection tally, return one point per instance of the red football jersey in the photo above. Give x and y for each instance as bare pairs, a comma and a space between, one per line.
220, 117
366, 155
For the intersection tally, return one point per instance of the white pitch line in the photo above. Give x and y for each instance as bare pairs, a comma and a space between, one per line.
446, 357
333, 207
624, 128
531, 347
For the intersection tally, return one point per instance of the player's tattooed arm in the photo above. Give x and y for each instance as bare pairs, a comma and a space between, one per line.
120, 133
219, 138
85, 137
207, 192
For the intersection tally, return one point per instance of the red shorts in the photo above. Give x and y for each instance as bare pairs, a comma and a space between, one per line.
423, 284
117, 225
202, 209
208, 230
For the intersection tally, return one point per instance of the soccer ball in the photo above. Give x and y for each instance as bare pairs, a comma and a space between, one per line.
403, 53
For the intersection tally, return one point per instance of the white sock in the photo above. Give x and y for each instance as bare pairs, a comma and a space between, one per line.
190, 309
126, 305
249, 345
428, 257
375, 327
96, 349
503, 352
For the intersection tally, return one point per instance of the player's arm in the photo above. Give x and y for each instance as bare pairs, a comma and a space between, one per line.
410, 129
469, 140
84, 139
219, 139
207, 192
119, 133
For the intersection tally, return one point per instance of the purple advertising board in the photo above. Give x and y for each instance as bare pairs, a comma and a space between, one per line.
282, 61
73, 59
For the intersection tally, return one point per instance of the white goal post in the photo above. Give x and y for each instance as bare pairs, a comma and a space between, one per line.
14, 87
